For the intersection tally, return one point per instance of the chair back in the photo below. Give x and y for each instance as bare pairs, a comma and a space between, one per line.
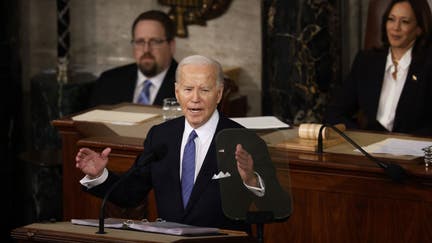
230, 87
376, 10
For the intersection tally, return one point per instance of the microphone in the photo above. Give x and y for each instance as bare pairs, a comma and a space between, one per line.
394, 171
155, 154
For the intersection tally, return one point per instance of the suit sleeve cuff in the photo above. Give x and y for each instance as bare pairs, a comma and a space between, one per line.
258, 191
89, 183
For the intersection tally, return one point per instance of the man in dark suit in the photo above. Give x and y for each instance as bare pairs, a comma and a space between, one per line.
198, 88
153, 44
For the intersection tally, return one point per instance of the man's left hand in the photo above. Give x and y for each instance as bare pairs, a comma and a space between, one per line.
245, 166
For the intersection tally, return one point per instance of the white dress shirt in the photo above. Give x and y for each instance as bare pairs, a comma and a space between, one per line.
154, 88
202, 141
392, 89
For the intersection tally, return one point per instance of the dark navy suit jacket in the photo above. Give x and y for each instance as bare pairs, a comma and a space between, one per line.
356, 104
118, 85
163, 175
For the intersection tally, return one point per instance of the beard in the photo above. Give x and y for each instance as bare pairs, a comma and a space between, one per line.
149, 69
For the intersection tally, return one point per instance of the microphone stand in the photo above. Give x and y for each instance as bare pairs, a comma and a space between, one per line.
141, 161
394, 171
259, 218
108, 193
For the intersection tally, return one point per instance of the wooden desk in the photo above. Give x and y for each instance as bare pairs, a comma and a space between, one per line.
336, 197
67, 232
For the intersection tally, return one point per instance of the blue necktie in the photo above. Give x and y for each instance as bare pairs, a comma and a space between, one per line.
188, 168
144, 97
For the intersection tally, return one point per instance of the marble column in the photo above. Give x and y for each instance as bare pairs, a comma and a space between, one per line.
301, 57
63, 40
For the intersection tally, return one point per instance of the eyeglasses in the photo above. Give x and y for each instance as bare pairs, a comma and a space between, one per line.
152, 43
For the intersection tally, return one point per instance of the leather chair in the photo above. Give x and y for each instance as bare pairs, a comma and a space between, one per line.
232, 103
376, 10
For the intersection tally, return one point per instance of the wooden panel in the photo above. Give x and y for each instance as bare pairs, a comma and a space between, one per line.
344, 204
332, 215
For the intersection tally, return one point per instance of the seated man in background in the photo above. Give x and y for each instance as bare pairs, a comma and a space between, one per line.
389, 89
181, 176
151, 78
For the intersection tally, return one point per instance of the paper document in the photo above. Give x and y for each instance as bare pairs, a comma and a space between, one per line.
109, 222
398, 146
164, 227
114, 117
260, 122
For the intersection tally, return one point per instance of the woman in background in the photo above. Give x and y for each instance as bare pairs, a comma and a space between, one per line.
390, 88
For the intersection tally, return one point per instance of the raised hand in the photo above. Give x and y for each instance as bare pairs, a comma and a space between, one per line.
245, 166
92, 163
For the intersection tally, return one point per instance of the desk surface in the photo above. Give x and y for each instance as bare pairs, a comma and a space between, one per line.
67, 232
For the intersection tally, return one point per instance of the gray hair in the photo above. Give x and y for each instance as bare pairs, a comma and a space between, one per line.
202, 60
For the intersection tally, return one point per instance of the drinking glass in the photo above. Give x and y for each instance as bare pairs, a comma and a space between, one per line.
171, 109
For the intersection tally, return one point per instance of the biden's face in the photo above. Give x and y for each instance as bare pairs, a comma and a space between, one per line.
198, 92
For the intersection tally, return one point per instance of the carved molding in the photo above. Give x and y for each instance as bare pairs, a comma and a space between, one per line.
187, 12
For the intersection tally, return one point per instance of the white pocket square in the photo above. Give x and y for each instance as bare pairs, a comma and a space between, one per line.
221, 175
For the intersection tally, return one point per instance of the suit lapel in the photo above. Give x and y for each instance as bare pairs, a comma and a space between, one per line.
376, 82
177, 131
130, 83
409, 91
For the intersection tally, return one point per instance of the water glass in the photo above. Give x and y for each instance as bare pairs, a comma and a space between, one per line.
171, 109
428, 156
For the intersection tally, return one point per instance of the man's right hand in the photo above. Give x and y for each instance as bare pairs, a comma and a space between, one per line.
92, 163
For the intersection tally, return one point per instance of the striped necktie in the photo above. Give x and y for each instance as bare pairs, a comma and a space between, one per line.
188, 168
144, 97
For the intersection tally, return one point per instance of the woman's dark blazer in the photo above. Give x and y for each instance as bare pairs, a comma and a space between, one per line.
356, 104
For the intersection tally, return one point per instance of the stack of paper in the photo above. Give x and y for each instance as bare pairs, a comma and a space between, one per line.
397, 146
163, 227
114, 117
260, 122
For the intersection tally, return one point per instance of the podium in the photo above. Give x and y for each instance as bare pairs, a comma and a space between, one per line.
67, 232
339, 196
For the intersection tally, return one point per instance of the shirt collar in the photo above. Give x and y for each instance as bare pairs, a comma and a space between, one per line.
404, 62
207, 130
156, 80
